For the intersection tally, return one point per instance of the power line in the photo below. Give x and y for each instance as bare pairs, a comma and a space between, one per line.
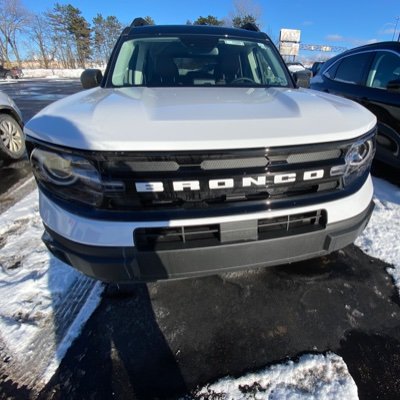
321, 47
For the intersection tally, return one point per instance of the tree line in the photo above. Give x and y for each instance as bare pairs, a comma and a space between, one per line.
63, 36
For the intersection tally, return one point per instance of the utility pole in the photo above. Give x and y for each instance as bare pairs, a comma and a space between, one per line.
395, 30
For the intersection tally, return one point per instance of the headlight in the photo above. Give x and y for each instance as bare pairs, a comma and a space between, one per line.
68, 176
53, 167
359, 158
360, 153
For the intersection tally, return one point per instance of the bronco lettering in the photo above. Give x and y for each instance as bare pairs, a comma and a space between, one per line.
229, 183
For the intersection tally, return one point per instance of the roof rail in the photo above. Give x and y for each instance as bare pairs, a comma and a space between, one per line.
139, 22
126, 30
250, 26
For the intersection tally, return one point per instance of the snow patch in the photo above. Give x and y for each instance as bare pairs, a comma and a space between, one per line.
40, 295
7, 81
314, 377
54, 73
381, 238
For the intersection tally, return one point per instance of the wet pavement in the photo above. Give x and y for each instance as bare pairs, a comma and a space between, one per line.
164, 339
30, 96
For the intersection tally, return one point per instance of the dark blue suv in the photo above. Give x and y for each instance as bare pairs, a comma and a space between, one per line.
370, 75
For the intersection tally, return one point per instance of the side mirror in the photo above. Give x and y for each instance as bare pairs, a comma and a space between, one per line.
302, 78
393, 85
91, 78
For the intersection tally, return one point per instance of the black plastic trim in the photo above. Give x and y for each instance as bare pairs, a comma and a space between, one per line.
126, 264
101, 155
214, 209
217, 210
10, 111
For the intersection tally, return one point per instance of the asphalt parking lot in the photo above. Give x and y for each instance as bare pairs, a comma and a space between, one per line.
164, 339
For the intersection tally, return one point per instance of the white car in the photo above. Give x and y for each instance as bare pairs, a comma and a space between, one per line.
12, 144
295, 66
195, 154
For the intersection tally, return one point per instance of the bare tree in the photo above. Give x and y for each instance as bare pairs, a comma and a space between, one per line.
149, 20
14, 19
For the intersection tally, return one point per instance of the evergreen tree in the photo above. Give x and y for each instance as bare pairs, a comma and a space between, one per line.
71, 33
209, 20
239, 21
105, 33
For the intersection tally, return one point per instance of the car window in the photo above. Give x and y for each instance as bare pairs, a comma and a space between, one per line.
195, 60
385, 68
330, 72
351, 68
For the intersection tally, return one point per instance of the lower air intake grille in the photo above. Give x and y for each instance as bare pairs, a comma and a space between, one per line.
158, 239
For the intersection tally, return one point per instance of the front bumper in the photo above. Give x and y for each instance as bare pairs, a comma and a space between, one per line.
124, 264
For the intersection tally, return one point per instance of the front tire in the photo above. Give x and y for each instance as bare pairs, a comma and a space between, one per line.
12, 143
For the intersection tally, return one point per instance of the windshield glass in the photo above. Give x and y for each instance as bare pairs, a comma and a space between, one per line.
197, 60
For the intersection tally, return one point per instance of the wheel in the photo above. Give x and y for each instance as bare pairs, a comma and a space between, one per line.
12, 144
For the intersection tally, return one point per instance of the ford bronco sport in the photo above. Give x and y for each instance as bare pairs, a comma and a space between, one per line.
196, 153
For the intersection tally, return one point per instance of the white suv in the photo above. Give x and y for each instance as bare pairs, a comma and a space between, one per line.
196, 153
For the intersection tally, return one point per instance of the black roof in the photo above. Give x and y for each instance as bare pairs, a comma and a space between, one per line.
194, 30
379, 45
373, 46
395, 46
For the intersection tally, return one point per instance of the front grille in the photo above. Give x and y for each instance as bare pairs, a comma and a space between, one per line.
291, 224
170, 238
220, 176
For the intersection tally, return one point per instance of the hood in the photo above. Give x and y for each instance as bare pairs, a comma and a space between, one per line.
180, 118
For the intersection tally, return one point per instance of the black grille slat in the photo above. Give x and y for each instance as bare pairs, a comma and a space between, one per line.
122, 171
177, 237
236, 163
298, 158
153, 166
169, 168
150, 239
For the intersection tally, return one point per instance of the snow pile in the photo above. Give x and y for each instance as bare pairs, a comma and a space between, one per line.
44, 303
381, 238
312, 377
8, 81
52, 73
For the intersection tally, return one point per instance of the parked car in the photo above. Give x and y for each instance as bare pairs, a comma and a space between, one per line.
196, 154
297, 66
316, 67
13, 73
303, 73
16, 72
370, 75
12, 144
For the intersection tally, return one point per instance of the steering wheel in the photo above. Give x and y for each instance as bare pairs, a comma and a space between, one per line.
243, 79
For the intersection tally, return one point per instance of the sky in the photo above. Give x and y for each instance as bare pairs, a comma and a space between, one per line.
344, 23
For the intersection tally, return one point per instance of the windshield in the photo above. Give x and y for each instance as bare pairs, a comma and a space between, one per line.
197, 60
